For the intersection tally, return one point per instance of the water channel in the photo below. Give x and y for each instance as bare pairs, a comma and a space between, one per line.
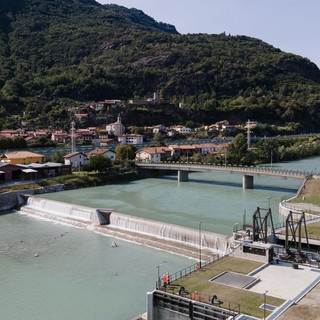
78, 275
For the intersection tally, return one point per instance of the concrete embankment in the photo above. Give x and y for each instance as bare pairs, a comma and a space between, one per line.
14, 199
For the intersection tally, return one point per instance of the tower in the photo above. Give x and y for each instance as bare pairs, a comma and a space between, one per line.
73, 141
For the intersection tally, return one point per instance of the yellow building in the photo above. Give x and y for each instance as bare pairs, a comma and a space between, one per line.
22, 157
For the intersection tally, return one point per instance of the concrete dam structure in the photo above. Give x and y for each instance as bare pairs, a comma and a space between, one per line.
169, 237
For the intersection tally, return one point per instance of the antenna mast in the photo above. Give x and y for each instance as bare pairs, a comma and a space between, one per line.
248, 134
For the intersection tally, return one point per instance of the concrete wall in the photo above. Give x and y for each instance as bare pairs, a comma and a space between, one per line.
12, 199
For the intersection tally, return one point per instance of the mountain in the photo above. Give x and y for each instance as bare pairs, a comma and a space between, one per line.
60, 53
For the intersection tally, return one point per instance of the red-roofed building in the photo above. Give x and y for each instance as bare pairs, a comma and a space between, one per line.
153, 154
108, 142
130, 139
76, 159
105, 152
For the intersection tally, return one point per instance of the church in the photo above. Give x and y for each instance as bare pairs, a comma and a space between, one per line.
116, 128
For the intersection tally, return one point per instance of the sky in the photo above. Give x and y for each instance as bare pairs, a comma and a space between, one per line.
290, 25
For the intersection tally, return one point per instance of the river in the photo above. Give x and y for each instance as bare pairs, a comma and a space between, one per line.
78, 275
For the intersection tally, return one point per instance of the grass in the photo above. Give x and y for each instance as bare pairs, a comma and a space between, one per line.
249, 301
313, 230
315, 199
311, 193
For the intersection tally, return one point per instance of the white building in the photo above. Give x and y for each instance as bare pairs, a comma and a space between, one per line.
105, 152
159, 128
130, 139
181, 129
153, 154
75, 159
116, 128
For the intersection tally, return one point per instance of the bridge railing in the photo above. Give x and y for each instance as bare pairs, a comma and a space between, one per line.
247, 169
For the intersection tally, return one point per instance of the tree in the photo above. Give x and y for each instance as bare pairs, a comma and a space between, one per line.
159, 137
125, 152
237, 150
98, 162
19, 143
58, 156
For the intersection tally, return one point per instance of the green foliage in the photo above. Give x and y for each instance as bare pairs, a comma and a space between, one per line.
159, 137
237, 150
125, 152
15, 143
58, 51
286, 149
58, 156
98, 162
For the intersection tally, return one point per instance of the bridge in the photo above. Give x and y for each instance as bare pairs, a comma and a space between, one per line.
248, 172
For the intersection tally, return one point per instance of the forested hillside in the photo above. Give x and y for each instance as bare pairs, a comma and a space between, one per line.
59, 53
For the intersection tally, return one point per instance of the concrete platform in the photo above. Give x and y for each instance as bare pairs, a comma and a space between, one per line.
282, 281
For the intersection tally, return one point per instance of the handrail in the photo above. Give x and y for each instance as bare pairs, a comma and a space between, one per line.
242, 169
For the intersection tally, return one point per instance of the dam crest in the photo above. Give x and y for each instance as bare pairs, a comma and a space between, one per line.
148, 232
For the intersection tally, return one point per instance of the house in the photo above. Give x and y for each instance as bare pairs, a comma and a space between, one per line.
10, 172
45, 170
59, 136
181, 129
105, 152
153, 154
184, 150
93, 130
30, 140
81, 117
159, 128
116, 128
171, 132
113, 103
130, 139
84, 135
22, 157
41, 133
76, 159
108, 142
97, 106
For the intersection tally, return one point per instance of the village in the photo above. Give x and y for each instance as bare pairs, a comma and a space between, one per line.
150, 143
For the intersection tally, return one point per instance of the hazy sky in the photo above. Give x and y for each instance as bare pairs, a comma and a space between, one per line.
290, 25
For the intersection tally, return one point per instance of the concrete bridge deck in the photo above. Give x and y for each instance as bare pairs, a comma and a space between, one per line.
248, 172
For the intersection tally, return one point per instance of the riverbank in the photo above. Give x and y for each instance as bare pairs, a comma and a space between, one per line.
12, 197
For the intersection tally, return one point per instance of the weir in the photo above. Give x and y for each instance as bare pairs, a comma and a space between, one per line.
91, 218
54, 208
167, 231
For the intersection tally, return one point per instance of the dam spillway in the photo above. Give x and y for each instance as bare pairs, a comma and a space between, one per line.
111, 223
172, 232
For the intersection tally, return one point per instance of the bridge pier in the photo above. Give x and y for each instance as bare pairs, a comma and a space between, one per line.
247, 182
183, 176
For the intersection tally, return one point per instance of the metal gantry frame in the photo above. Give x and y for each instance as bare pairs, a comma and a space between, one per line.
260, 225
294, 226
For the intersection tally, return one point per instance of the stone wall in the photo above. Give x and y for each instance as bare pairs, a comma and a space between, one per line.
13, 199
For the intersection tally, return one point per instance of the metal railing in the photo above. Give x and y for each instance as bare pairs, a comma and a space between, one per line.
205, 298
241, 169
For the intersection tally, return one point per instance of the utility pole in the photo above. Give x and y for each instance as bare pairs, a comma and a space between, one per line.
248, 134
158, 282
200, 223
73, 143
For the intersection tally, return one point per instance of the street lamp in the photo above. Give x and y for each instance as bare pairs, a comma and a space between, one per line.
269, 201
271, 157
200, 223
264, 304
158, 282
